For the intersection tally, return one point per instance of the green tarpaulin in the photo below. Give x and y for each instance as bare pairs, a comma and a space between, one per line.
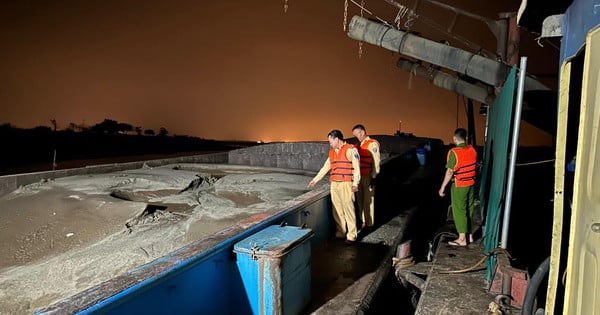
495, 161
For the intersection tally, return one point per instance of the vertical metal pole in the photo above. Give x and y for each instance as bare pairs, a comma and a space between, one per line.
513, 151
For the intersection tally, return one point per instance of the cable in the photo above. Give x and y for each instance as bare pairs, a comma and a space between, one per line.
362, 7
479, 262
457, 96
443, 233
533, 163
433, 245
533, 286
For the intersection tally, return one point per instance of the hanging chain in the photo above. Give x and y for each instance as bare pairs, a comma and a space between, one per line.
360, 49
360, 43
285, 6
345, 13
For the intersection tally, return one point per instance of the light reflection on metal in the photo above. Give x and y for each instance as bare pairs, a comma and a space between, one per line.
513, 153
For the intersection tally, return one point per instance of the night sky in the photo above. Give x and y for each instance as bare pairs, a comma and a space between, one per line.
229, 70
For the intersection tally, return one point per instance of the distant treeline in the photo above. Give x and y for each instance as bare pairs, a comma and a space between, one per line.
109, 126
22, 147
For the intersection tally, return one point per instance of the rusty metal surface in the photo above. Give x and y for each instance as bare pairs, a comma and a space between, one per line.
509, 281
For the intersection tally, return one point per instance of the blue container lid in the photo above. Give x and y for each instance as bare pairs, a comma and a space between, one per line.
273, 241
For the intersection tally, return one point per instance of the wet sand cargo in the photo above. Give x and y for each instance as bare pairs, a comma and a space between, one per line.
182, 253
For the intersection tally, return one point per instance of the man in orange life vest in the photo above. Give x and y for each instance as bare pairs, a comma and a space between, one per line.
460, 168
343, 161
370, 158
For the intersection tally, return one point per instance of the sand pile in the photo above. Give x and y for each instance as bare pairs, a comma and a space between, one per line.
63, 236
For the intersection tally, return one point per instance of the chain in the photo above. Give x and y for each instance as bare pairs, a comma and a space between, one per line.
285, 6
362, 5
345, 13
360, 43
360, 49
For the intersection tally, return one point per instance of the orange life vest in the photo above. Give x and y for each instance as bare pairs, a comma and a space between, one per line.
341, 167
466, 162
366, 159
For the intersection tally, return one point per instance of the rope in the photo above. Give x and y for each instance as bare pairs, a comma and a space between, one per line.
537, 162
403, 263
362, 7
479, 262
404, 35
345, 14
457, 96
469, 62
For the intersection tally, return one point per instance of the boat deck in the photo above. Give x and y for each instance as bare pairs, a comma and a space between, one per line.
347, 279
360, 278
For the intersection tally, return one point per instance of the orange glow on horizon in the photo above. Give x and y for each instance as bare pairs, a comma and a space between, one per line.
281, 77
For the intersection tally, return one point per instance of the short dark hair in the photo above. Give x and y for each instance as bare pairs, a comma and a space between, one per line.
460, 134
359, 126
336, 134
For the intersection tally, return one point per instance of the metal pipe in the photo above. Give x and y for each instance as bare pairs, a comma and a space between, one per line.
449, 82
461, 61
513, 152
486, 70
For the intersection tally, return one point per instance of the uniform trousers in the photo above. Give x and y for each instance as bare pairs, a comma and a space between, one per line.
463, 203
344, 216
366, 200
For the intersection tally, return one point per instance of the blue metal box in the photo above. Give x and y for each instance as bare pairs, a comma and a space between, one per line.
274, 266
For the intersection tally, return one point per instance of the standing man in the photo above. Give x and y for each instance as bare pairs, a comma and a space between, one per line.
344, 177
370, 158
460, 168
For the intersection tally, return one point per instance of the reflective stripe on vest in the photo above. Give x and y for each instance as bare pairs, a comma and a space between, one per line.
341, 167
466, 163
366, 159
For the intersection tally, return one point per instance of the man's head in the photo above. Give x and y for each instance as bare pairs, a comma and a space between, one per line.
336, 139
460, 135
359, 132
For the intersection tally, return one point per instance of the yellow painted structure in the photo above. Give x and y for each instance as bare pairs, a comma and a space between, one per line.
582, 273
